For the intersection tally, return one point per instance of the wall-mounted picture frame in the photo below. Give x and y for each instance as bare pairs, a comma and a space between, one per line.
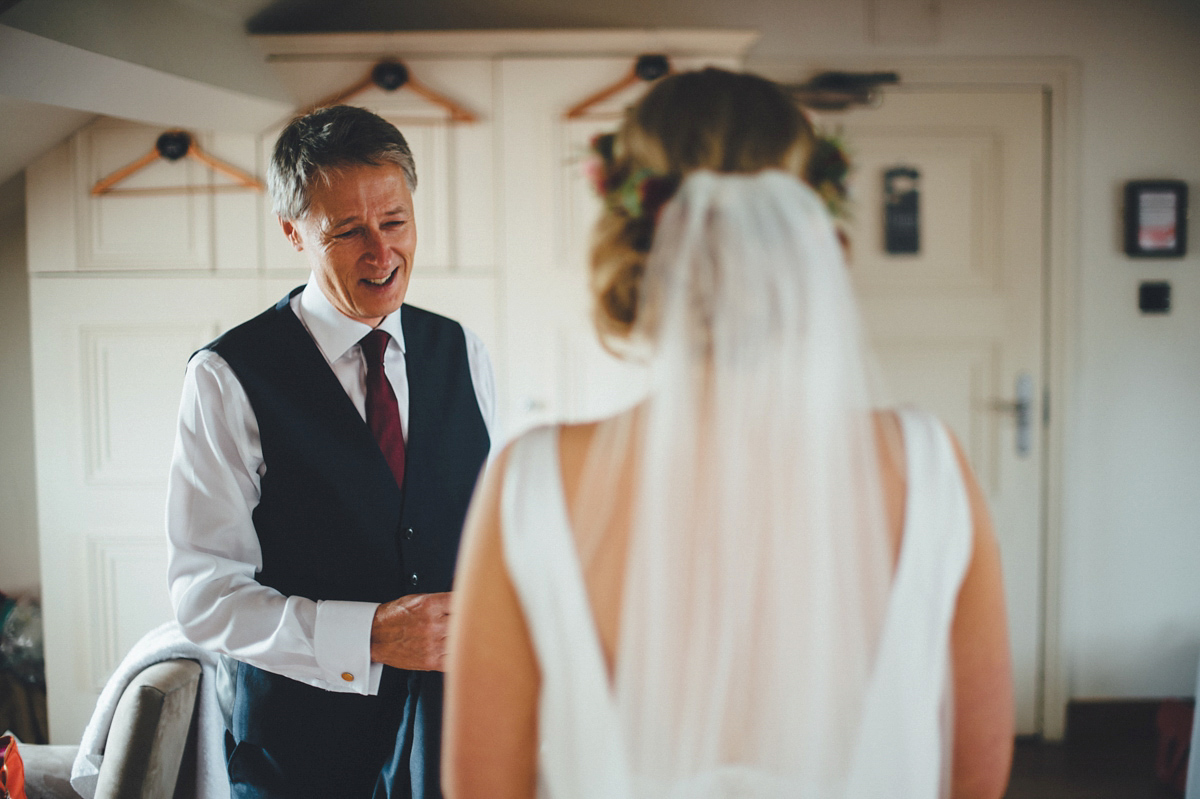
1156, 218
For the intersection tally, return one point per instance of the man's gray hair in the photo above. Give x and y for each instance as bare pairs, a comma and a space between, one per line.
316, 145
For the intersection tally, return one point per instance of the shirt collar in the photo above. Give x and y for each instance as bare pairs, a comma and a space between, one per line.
334, 332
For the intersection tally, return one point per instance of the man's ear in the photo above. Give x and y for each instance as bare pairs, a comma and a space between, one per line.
292, 232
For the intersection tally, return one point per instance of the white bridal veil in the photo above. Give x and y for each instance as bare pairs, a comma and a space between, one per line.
759, 567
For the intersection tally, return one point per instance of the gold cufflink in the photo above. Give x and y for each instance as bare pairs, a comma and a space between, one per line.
347, 676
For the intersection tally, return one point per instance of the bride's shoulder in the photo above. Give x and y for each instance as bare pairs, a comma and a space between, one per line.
891, 426
609, 436
889, 443
577, 434
523, 440
567, 439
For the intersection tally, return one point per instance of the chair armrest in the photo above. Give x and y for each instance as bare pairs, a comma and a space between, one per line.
149, 730
48, 771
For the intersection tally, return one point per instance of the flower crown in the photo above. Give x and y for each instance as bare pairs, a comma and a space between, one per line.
826, 172
642, 193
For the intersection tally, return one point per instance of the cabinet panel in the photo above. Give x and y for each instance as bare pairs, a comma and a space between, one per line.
455, 203
108, 362
131, 392
159, 231
128, 596
182, 215
237, 215
555, 367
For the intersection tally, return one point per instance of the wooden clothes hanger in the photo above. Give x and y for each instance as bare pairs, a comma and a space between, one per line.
390, 75
172, 146
647, 68
837, 91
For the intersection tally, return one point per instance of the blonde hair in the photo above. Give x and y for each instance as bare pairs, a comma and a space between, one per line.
709, 119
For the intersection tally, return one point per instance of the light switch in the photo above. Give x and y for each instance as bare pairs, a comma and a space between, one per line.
1154, 297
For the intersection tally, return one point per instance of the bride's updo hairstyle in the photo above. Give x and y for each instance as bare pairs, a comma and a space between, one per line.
710, 119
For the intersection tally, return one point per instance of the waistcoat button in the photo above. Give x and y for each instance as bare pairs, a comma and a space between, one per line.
414, 579
408, 534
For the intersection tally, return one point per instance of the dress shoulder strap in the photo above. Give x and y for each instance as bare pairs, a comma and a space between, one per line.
580, 753
937, 512
903, 744
937, 541
531, 502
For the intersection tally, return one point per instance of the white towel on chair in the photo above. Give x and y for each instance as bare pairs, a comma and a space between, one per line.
162, 643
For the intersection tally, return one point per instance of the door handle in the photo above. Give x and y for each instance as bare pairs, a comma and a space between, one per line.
1021, 409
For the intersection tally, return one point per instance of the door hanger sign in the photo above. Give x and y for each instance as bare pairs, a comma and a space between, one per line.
901, 211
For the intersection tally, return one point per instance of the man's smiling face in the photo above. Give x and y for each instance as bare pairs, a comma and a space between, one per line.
359, 235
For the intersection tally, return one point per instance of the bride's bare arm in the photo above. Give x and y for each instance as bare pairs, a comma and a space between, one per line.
983, 689
489, 746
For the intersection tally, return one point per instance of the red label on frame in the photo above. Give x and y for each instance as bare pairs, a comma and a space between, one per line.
1156, 220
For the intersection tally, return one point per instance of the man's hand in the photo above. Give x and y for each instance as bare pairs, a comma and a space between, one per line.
410, 632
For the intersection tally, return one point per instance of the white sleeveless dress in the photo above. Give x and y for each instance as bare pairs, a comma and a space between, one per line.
900, 750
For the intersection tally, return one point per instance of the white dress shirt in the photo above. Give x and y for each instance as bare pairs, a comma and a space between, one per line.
213, 551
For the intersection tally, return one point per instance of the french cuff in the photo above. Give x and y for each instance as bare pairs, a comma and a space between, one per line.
342, 645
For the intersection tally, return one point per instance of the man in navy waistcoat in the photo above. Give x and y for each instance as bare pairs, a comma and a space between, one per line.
326, 453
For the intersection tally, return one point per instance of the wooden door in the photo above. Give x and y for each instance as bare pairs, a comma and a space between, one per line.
956, 308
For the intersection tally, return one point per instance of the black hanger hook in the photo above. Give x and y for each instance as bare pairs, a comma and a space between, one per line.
174, 144
651, 67
389, 75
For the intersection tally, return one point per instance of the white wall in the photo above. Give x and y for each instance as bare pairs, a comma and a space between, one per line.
1133, 515
18, 512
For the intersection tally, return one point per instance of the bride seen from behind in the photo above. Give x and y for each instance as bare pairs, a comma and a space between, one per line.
754, 584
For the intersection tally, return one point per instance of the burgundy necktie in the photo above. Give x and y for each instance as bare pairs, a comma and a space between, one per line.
383, 412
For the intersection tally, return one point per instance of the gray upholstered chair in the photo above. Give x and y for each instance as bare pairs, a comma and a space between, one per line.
145, 746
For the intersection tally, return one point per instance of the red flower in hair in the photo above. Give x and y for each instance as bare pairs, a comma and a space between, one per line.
597, 175
655, 192
641, 193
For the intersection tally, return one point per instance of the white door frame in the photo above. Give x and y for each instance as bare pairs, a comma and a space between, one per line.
1059, 80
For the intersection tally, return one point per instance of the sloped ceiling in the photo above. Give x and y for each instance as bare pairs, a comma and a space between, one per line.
205, 41
62, 62
196, 57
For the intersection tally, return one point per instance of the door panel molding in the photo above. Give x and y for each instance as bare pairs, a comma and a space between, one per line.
980, 208
125, 370
125, 579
